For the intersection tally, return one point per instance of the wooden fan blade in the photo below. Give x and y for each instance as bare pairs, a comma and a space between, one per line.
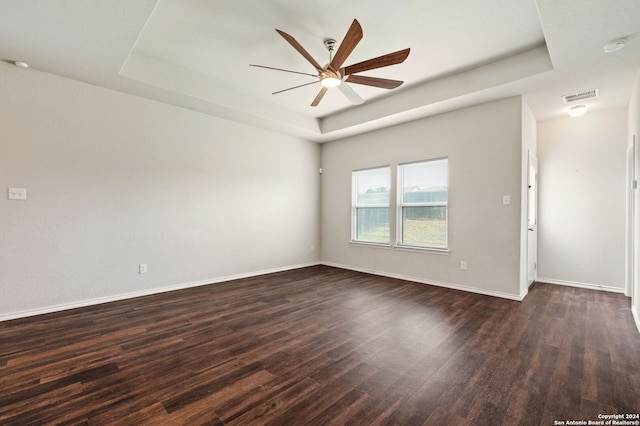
379, 62
383, 83
319, 97
293, 42
351, 94
294, 87
350, 41
280, 69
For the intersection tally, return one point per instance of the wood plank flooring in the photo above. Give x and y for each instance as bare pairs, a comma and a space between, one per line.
322, 345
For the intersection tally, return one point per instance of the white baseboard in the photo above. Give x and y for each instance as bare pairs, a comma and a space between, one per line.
123, 296
476, 290
581, 285
636, 317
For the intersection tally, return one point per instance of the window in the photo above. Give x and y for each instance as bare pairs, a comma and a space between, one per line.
422, 204
370, 205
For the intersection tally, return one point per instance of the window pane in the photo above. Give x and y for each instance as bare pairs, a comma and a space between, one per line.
425, 182
424, 226
370, 221
372, 224
372, 186
423, 203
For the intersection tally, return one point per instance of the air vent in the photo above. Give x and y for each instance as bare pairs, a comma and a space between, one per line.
593, 93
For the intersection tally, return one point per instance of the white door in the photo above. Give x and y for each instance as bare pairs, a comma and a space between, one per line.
532, 219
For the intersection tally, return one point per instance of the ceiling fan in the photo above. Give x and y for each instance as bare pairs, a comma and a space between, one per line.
334, 75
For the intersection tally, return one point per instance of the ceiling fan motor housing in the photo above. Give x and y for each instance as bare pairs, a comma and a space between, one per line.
330, 44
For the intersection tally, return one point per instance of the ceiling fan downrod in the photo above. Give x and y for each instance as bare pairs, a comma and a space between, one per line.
330, 44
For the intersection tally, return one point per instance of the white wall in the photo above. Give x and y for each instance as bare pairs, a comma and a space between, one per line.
483, 144
634, 129
115, 180
581, 233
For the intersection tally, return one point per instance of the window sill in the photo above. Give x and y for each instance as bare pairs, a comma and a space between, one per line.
443, 252
366, 244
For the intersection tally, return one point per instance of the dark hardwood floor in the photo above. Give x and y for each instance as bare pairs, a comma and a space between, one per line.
321, 345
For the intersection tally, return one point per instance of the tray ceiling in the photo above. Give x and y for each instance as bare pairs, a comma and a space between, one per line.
196, 54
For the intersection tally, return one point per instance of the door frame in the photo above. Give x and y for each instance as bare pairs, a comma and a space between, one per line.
631, 212
532, 218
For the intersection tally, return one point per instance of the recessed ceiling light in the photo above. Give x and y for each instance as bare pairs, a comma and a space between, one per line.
578, 110
614, 45
22, 65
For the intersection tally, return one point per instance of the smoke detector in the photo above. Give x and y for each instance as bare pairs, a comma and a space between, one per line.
614, 45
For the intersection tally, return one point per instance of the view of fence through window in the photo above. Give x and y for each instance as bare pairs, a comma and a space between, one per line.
423, 204
371, 205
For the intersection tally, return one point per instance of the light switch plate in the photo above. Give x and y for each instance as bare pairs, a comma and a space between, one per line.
17, 193
506, 200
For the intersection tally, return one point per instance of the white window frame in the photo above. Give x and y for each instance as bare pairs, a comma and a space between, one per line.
401, 204
355, 206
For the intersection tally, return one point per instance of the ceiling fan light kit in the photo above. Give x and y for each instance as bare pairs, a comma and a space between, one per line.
334, 75
329, 80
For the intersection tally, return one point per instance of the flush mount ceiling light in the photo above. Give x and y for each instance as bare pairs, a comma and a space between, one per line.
22, 65
578, 110
614, 45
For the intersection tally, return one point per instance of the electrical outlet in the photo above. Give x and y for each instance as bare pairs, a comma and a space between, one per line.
463, 265
142, 268
17, 194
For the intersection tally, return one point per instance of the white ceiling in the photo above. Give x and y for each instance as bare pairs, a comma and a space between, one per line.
196, 54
